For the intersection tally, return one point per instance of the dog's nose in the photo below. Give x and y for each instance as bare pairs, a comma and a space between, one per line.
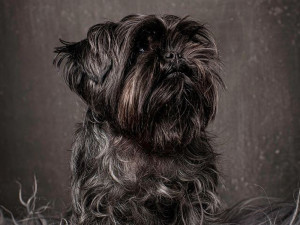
170, 56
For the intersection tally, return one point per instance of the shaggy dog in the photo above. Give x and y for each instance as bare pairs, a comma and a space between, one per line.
143, 155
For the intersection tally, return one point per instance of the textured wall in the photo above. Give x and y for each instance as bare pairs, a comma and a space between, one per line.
258, 121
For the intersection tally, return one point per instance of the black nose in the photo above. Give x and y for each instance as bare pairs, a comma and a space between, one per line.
170, 56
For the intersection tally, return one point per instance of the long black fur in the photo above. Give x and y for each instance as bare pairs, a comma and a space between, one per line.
143, 155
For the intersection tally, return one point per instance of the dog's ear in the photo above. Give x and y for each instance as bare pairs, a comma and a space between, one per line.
206, 57
88, 62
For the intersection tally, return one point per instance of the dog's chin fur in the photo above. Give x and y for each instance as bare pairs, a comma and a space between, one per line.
142, 155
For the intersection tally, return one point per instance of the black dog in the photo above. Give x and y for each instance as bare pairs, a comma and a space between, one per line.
142, 155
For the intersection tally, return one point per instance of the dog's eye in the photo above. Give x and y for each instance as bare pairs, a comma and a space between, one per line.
145, 44
147, 41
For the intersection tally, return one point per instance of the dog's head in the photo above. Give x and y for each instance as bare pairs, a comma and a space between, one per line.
152, 78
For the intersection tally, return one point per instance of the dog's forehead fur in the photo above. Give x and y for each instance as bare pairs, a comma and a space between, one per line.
173, 32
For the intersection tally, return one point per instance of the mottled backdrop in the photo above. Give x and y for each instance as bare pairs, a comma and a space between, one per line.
257, 126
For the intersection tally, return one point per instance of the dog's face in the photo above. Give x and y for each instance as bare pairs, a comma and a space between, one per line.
152, 78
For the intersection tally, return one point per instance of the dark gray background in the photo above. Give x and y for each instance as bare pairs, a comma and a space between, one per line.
257, 126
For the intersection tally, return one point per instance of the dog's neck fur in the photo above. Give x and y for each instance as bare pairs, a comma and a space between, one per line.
112, 175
